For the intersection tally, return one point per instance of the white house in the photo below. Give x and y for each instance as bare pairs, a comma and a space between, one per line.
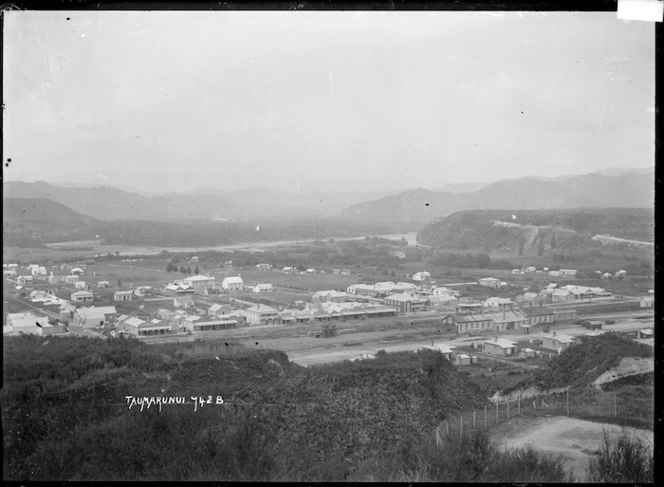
71, 279
79, 285
568, 272
489, 282
82, 297
199, 283
123, 295
24, 323
234, 283
421, 276
500, 303
263, 288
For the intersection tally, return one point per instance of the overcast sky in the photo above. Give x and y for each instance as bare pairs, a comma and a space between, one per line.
368, 101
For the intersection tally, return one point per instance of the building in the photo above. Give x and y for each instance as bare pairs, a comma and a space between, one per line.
405, 303
329, 296
554, 273
462, 359
463, 307
568, 272
24, 323
71, 279
24, 280
489, 282
264, 267
500, 303
336, 272
123, 295
263, 288
647, 302
262, 315
564, 315
289, 270
558, 342
310, 271
508, 320
530, 269
89, 317
499, 347
79, 285
645, 333
199, 283
443, 292
444, 348
421, 276
234, 283
218, 310
345, 272
82, 297
469, 322
77, 271
185, 301
381, 289
212, 325
9, 273
538, 314
103, 284
143, 291
138, 327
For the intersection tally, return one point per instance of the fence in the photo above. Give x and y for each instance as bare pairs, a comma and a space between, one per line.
609, 407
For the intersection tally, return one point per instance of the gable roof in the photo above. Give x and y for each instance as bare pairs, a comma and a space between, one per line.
537, 311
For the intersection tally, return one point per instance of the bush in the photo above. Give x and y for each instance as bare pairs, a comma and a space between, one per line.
623, 458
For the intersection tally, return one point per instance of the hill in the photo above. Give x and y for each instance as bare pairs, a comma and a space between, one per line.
540, 232
66, 416
34, 221
591, 190
110, 203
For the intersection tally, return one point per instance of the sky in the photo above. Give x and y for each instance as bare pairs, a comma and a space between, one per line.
323, 101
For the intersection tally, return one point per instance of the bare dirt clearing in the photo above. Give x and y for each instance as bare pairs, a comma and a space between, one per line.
576, 440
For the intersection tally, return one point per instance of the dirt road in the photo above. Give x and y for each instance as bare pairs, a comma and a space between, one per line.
574, 439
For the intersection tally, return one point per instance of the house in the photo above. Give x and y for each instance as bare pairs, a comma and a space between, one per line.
263, 288
89, 317
647, 302
218, 310
530, 269
234, 283
24, 280
103, 284
185, 301
562, 295
262, 315
405, 303
82, 297
138, 327
517, 271
500, 303
462, 359
142, 291
77, 271
67, 311
329, 296
25, 323
538, 314
289, 270
499, 347
469, 322
264, 267
345, 272
444, 348
79, 285
9, 273
444, 292
199, 283
558, 342
336, 272
527, 352
621, 273
645, 333
421, 276
123, 295
568, 272
71, 279
489, 282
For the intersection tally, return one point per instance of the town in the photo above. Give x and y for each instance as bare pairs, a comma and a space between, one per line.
83, 299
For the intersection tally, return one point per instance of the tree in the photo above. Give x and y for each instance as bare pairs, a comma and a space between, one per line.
196, 271
553, 241
119, 283
183, 270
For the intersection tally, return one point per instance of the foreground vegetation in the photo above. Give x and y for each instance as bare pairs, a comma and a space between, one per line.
623, 458
65, 416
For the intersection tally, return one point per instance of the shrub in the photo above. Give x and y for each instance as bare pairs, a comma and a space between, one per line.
622, 458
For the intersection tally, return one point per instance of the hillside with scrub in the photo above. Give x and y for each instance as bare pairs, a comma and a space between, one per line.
66, 416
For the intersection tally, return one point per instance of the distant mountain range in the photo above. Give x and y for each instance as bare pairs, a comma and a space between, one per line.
631, 190
609, 188
108, 203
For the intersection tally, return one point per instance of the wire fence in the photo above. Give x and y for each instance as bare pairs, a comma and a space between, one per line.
623, 409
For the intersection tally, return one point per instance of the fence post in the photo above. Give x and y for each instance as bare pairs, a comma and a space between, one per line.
508, 409
447, 426
461, 424
496, 412
473, 420
485, 417
615, 405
